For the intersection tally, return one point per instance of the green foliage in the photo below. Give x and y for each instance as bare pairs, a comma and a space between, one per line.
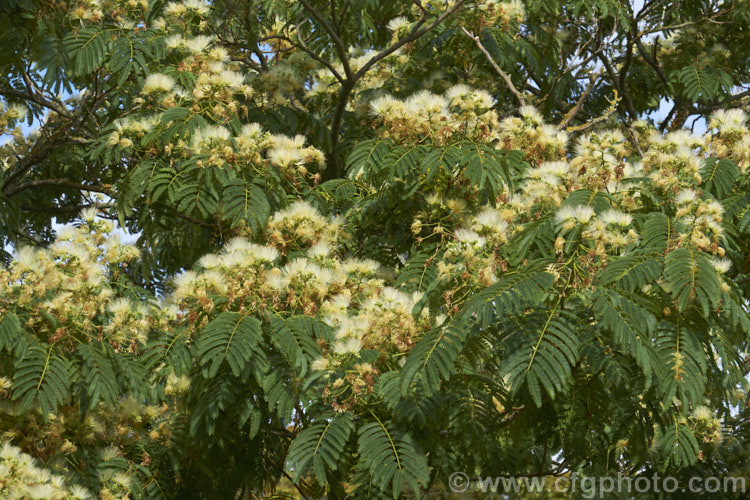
41, 378
231, 337
546, 347
720, 176
320, 446
377, 243
691, 278
392, 458
432, 359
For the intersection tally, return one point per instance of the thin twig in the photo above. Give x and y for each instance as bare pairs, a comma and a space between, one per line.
11, 191
348, 85
579, 104
498, 69
612, 108
337, 42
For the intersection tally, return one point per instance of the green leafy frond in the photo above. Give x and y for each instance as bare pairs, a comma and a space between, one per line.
692, 278
656, 232
678, 445
99, 382
632, 327
418, 273
439, 160
10, 329
87, 48
277, 385
367, 156
719, 176
432, 359
242, 201
508, 296
537, 235
294, 337
231, 337
485, 168
214, 397
393, 458
320, 446
632, 271
743, 224
547, 346
685, 376
42, 377
195, 197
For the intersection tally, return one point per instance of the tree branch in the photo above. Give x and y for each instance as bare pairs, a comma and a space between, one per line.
337, 42
315, 56
415, 33
64, 210
579, 104
498, 69
348, 85
36, 99
64, 183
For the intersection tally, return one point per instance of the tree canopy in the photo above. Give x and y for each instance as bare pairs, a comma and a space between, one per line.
378, 243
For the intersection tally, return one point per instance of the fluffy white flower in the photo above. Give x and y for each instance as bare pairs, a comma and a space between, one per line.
686, 196
397, 24
581, 214
158, 82
198, 44
721, 265
703, 413
16, 112
468, 236
200, 6
530, 114
351, 345
616, 217
727, 119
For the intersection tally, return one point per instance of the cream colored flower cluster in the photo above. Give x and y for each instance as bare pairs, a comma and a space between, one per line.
461, 112
732, 137
383, 321
608, 232
599, 159
298, 270
302, 226
214, 96
470, 256
125, 13
21, 478
505, 14
530, 134
288, 78
706, 424
548, 184
68, 287
670, 166
105, 432
210, 86
10, 116
698, 222
671, 161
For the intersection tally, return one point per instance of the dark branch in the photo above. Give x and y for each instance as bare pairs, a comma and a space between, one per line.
337, 42
351, 80
64, 210
63, 183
